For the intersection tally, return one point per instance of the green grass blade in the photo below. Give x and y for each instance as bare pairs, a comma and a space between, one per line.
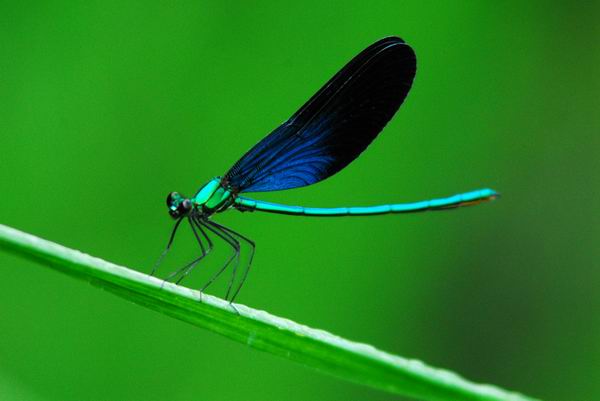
326, 352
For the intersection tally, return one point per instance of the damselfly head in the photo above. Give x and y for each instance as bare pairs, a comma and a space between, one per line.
178, 205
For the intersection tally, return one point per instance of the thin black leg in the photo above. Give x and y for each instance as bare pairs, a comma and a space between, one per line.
191, 221
209, 248
199, 226
190, 266
249, 264
164, 253
185, 269
235, 266
204, 251
231, 243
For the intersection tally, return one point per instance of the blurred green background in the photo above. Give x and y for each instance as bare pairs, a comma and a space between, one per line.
105, 107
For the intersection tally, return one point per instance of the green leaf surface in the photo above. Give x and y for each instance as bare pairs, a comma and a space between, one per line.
360, 363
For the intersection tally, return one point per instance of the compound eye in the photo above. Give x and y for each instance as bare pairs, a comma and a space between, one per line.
171, 198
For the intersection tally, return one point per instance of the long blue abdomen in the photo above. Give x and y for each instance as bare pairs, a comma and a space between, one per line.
451, 202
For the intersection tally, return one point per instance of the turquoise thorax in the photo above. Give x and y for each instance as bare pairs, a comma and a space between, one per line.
213, 197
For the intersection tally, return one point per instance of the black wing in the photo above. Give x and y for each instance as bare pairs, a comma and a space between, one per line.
334, 126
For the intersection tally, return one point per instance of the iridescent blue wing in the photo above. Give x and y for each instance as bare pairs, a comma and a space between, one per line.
334, 126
